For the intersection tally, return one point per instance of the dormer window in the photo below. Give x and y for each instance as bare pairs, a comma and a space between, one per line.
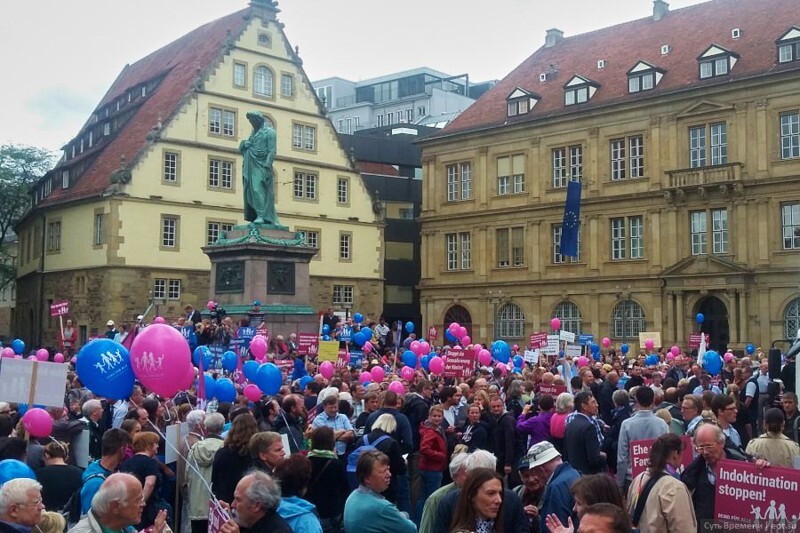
579, 90
520, 102
643, 77
789, 46
716, 61
65, 179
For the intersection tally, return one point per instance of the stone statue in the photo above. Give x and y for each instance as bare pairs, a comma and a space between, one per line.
259, 153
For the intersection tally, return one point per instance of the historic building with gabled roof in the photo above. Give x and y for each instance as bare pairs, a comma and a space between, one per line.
155, 174
683, 128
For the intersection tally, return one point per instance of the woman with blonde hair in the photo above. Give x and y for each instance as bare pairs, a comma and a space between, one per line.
52, 522
565, 404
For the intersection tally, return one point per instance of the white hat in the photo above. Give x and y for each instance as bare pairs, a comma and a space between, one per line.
140, 317
541, 453
110, 323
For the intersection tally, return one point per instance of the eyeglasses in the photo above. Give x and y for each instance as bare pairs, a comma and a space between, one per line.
34, 503
700, 448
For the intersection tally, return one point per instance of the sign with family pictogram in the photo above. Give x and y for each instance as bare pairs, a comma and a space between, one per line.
307, 343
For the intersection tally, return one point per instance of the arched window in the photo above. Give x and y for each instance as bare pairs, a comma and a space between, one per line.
791, 319
627, 320
510, 322
570, 317
262, 81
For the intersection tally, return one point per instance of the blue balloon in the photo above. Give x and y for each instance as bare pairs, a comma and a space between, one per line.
712, 362
424, 361
359, 339
501, 351
210, 386
104, 366
326, 337
700, 318
226, 390
256, 303
358, 318
304, 381
250, 369
205, 353
13, 469
596, 356
18, 345
269, 378
366, 332
449, 336
409, 327
326, 329
518, 360
595, 349
624, 348
230, 361
750, 349
410, 359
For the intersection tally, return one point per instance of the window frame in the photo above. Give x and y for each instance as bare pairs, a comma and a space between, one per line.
345, 246
221, 163
305, 186
628, 319
570, 315
509, 321
459, 181
557, 258
243, 68
99, 229
54, 236
790, 225
343, 294
163, 240
173, 167
222, 125
789, 131
215, 228
342, 190
287, 77
304, 137
263, 75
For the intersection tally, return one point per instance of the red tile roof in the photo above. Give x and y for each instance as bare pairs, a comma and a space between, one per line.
688, 31
178, 63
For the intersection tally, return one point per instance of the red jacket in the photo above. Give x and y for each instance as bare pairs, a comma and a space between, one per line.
432, 447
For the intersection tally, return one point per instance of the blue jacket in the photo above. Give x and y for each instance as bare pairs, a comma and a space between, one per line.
369, 512
299, 514
557, 498
98, 474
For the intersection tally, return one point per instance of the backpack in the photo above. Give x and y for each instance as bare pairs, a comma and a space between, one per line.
72, 509
352, 459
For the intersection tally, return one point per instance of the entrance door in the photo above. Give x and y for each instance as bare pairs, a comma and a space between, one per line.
715, 323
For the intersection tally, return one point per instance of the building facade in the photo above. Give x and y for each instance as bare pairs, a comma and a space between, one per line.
683, 131
155, 174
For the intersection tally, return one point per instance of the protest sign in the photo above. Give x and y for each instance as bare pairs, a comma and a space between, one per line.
538, 340
747, 495
307, 343
246, 333
552, 390
432, 334
552, 345
346, 333
217, 516
459, 364
531, 356
573, 350
654, 336
328, 351
32, 382
356, 357
694, 340
59, 308
81, 449
640, 454
585, 339
175, 435
565, 335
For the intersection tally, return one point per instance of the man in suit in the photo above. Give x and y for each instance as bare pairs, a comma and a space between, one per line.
192, 314
583, 438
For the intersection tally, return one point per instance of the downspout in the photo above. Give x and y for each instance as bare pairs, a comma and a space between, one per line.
40, 298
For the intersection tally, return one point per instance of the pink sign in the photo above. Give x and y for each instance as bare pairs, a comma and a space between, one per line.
538, 340
432, 334
640, 454
217, 516
694, 340
552, 390
459, 364
307, 343
761, 498
59, 308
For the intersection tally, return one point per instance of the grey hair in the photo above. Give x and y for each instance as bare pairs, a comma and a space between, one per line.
480, 459
89, 406
264, 490
114, 488
620, 397
457, 462
214, 423
195, 418
16, 491
565, 402
386, 422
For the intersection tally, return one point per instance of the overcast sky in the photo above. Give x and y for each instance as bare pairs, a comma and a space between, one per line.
60, 56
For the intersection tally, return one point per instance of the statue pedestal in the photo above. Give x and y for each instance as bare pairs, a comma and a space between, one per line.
266, 263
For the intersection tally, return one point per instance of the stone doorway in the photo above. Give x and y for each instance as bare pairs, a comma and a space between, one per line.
715, 323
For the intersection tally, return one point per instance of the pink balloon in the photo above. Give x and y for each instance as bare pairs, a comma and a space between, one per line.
670, 356
258, 346
253, 393
424, 348
37, 422
649, 344
31, 357
158, 320
414, 347
210, 305
73, 360
377, 374
42, 354
188, 378
555, 323
367, 348
453, 328
8, 352
515, 347
503, 368
364, 377
326, 369
675, 350
582, 361
462, 332
485, 357
407, 373
58, 358
728, 357
159, 357
436, 365
465, 340
397, 387
606, 342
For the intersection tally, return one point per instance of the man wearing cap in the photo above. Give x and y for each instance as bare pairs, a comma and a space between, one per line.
530, 492
558, 477
110, 332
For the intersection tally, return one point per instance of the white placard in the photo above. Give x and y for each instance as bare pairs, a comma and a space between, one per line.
173, 434
16, 382
552, 345
796, 462
531, 356
81, 449
286, 448
566, 336
573, 350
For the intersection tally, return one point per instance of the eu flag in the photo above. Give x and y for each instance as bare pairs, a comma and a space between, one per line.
572, 220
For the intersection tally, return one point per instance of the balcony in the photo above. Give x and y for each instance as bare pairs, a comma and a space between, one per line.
727, 174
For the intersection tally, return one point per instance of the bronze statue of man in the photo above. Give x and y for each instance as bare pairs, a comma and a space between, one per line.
259, 152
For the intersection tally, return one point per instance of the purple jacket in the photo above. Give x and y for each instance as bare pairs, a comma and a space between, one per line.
536, 427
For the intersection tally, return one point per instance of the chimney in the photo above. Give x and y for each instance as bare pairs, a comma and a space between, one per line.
553, 37
660, 8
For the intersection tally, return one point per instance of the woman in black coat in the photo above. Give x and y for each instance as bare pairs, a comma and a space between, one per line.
328, 489
475, 433
233, 460
386, 425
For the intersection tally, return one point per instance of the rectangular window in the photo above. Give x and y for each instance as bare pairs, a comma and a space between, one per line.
65, 179
304, 137
305, 185
345, 249
627, 158
466, 250
699, 233
558, 258
618, 160
287, 85
575, 163
511, 174
311, 237
789, 52
239, 75
719, 231
220, 174
215, 230
790, 225
559, 168
342, 190
697, 146
451, 242
619, 246
459, 251
459, 181
54, 236
790, 135
107, 129
160, 289
171, 167
636, 156
221, 122
714, 67
169, 232
99, 229
719, 143
343, 294
174, 289
636, 231
510, 247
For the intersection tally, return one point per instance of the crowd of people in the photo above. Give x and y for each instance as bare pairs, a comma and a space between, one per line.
497, 452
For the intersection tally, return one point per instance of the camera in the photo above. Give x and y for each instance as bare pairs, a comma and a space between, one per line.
217, 313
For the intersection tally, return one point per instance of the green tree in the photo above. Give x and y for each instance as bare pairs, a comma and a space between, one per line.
20, 167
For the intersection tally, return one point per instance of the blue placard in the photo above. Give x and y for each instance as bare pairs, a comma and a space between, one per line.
346, 333
246, 333
585, 339
190, 336
356, 357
